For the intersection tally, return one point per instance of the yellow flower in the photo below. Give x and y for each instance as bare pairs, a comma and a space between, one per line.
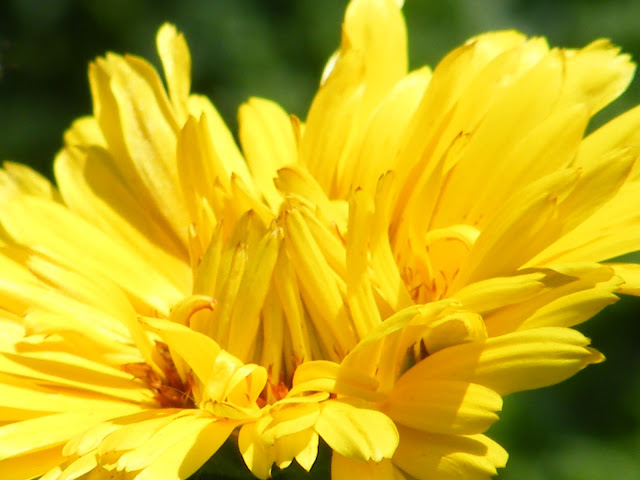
377, 277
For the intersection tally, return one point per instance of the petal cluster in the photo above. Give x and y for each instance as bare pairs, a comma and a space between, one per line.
376, 277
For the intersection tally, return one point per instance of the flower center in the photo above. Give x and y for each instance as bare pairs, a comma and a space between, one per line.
168, 388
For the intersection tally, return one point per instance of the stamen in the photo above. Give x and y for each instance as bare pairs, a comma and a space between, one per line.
170, 391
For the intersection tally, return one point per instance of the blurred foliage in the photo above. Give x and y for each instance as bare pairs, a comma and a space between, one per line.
586, 428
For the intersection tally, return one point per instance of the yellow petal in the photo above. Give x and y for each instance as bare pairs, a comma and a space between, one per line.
51, 430
515, 233
555, 140
31, 182
291, 304
84, 131
357, 432
371, 60
613, 230
268, 143
442, 406
93, 190
290, 419
599, 184
321, 289
377, 29
492, 293
630, 273
274, 329
183, 456
175, 446
426, 313
31, 465
23, 294
389, 281
597, 74
73, 242
86, 300
200, 168
62, 369
448, 457
572, 309
321, 375
143, 145
571, 295
75, 469
221, 138
302, 446
509, 363
345, 468
450, 79
296, 180
253, 290
453, 329
199, 351
176, 62
257, 456
362, 304
622, 131
125, 433
307, 456
541, 87
385, 130
29, 396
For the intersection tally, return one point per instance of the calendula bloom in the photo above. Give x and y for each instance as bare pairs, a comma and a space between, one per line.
377, 277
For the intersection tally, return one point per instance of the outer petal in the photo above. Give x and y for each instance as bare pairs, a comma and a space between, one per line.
75, 243
49, 431
183, 456
143, 147
630, 272
571, 295
493, 293
93, 190
517, 361
65, 370
176, 62
612, 230
357, 432
27, 180
30, 465
344, 468
597, 74
256, 454
268, 143
372, 58
447, 457
442, 406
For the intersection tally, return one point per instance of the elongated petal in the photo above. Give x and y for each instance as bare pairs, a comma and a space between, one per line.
355, 432
29, 181
182, 457
344, 468
52, 430
77, 244
268, 143
442, 406
513, 362
630, 273
31, 465
149, 166
91, 188
446, 457
176, 62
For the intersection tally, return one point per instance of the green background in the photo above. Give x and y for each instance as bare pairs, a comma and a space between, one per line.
583, 429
